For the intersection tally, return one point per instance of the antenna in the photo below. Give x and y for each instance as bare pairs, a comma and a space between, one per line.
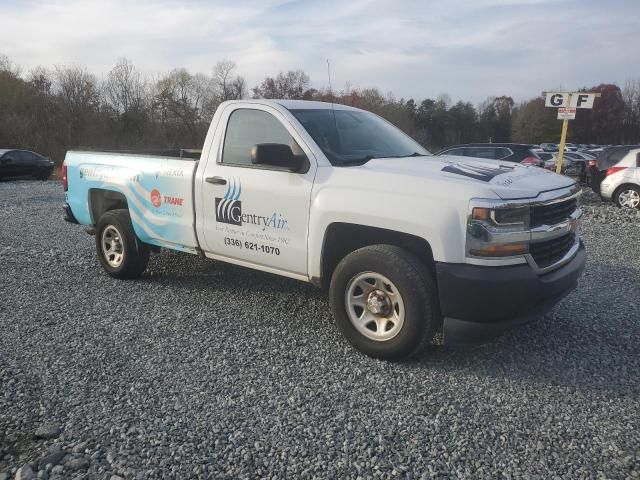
333, 109
329, 75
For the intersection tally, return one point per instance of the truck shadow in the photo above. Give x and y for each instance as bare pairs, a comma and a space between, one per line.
589, 341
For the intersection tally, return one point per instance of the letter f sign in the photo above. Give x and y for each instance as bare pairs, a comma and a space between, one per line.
582, 100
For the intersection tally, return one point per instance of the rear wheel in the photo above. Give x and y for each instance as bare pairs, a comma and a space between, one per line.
42, 175
628, 196
119, 250
384, 301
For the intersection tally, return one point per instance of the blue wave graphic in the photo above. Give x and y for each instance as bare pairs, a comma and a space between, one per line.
233, 190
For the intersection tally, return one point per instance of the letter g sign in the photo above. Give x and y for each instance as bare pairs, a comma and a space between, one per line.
556, 99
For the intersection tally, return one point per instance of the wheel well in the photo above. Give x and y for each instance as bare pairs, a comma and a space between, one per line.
101, 201
344, 238
617, 190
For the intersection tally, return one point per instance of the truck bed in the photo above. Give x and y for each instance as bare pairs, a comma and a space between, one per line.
158, 192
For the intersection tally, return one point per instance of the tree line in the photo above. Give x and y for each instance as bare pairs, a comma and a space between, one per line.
54, 110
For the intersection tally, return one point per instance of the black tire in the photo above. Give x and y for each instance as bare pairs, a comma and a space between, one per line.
134, 253
625, 189
42, 175
415, 285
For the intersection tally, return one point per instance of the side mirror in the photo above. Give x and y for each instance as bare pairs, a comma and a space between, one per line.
278, 155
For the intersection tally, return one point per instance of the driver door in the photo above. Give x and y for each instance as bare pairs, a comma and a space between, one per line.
257, 215
10, 165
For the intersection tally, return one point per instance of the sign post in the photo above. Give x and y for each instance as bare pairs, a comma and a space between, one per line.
567, 103
563, 141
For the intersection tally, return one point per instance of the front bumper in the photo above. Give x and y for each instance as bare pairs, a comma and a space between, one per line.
479, 303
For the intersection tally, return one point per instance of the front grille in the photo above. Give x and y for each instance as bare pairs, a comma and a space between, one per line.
549, 252
552, 213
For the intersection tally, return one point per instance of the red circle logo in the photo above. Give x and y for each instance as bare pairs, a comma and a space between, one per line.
156, 198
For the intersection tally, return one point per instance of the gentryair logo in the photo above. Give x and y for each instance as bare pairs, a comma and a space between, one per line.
229, 208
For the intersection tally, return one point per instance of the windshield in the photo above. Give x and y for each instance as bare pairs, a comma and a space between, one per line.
349, 137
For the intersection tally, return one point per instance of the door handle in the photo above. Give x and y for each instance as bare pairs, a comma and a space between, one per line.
216, 180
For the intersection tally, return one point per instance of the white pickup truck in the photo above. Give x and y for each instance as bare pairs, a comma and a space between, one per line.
413, 248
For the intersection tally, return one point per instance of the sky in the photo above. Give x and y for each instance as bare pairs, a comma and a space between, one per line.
469, 49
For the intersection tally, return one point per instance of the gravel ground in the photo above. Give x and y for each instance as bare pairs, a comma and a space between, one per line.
202, 369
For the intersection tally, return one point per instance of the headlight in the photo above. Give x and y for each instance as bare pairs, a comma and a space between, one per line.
496, 229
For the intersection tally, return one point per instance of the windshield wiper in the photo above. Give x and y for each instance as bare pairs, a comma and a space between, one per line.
365, 159
358, 161
414, 154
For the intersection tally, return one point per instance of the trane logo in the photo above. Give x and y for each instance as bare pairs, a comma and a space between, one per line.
157, 199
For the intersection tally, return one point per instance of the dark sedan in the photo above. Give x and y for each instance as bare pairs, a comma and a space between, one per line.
22, 163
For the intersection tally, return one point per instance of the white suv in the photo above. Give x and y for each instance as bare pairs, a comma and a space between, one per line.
621, 182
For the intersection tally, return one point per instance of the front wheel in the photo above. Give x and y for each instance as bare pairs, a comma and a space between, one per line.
384, 301
628, 197
119, 250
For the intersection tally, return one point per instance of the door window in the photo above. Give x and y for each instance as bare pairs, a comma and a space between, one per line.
481, 152
247, 128
27, 157
502, 152
492, 153
454, 151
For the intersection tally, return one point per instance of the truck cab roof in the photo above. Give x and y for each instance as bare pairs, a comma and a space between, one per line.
296, 104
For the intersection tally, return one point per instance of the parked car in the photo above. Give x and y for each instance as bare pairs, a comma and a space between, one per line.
595, 150
616, 175
549, 147
580, 155
508, 152
579, 164
550, 161
22, 163
408, 245
570, 147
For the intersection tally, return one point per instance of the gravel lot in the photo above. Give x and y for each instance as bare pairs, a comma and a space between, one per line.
202, 369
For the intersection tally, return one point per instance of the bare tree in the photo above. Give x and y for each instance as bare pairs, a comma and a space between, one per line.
238, 89
125, 89
181, 98
40, 79
6, 65
631, 121
77, 88
78, 92
226, 83
289, 85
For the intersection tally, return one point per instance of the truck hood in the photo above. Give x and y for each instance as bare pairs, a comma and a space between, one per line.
506, 179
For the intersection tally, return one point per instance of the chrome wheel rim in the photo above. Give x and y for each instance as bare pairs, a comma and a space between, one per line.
629, 198
112, 248
374, 306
